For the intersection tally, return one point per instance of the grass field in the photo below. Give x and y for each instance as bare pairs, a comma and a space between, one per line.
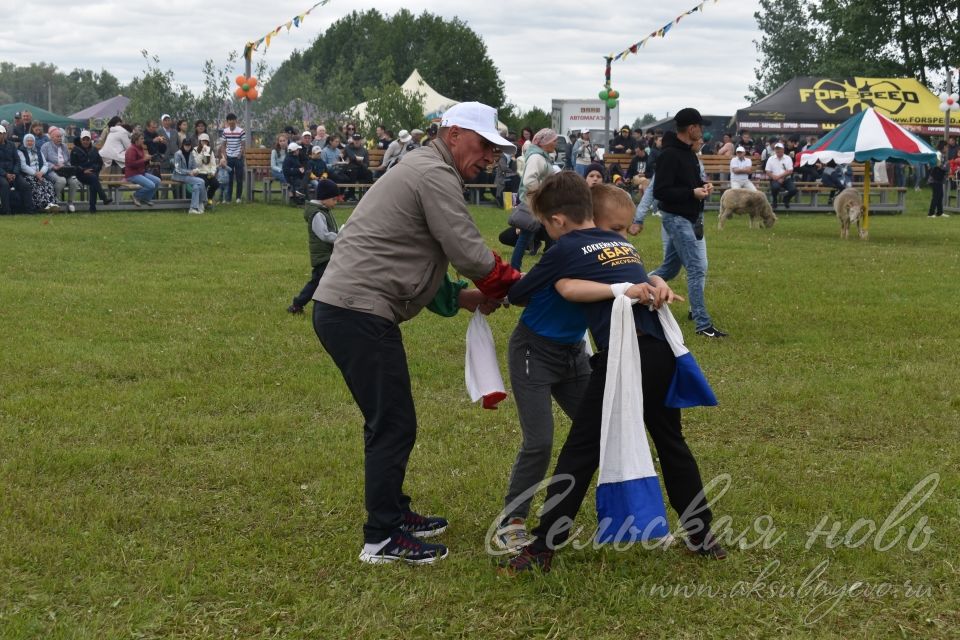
180, 459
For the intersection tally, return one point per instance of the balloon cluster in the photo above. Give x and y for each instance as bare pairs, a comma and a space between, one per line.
949, 102
246, 88
611, 96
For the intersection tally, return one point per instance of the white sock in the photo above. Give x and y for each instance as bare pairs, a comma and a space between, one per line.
373, 548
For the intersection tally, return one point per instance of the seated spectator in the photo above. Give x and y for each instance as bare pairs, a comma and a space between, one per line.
623, 142
11, 177
37, 130
638, 164
726, 148
305, 142
186, 170
86, 159
156, 144
34, 170
832, 176
114, 148
25, 126
320, 140
207, 166
277, 156
392, 154
779, 168
746, 141
57, 155
136, 159
740, 169
314, 170
335, 159
358, 164
294, 172
384, 138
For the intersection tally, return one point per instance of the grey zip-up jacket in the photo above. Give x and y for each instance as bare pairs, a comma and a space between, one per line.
393, 252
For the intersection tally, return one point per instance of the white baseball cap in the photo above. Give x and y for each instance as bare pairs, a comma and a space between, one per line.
779, 145
480, 119
305, 134
3, 129
293, 146
404, 136
739, 149
203, 136
584, 130
84, 134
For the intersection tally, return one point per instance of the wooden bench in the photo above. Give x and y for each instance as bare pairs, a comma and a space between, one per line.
115, 185
258, 170
952, 198
621, 159
814, 197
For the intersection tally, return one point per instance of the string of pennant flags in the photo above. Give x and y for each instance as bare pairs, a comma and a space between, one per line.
659, 33
294, 22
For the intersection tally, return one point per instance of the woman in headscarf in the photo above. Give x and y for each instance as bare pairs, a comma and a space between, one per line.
537, 166
34, 169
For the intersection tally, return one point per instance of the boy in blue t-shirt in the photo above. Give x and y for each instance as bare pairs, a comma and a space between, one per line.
584, 252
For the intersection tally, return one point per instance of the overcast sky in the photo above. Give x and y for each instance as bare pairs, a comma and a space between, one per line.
543, 49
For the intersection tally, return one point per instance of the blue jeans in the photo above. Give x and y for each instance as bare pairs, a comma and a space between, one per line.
278, 175
682, 249
646, 203
235, 176
198, 197
148, 184
581, 169
523, 239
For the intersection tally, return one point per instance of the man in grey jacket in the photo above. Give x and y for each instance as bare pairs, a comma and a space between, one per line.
390, 262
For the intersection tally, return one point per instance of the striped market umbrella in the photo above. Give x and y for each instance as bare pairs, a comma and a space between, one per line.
869, 136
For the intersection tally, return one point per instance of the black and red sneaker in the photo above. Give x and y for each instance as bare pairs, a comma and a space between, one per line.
403, 547
528, 560
423, 526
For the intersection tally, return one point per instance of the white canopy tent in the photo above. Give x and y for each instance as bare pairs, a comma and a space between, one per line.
433, 102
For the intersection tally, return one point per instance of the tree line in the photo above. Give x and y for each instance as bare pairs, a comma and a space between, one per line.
843, 38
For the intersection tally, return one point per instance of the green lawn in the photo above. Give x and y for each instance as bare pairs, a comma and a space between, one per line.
180, 459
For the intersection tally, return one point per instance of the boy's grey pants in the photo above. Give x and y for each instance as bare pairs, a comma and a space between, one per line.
540, 369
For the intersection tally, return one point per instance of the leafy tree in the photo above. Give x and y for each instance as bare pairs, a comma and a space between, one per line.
368, 50
392, 107
157, 92
840, 38
648, 118
515, 119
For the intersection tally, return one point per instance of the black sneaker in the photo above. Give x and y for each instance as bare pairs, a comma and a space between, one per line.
423, 526
706, 547
403, 547
689, 315
527, 561
711, 332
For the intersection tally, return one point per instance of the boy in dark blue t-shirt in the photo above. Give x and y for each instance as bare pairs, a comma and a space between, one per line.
582, 252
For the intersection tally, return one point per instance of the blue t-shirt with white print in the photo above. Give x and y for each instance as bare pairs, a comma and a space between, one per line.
597, 255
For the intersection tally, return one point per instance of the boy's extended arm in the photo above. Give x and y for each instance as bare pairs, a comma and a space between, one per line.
656, 291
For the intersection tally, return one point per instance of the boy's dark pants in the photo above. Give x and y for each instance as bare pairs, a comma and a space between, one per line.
306, 294
580, 455
236, 176
936, 199
369, 352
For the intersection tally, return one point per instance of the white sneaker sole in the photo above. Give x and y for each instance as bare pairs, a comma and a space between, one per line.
428, 534
373, 558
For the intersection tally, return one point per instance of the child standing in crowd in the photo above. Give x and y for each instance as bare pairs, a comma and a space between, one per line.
322, 233
583, 252
936, 176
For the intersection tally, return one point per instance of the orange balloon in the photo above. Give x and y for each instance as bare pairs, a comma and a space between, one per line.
240, 80
252, 81
239, 93
252, 94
